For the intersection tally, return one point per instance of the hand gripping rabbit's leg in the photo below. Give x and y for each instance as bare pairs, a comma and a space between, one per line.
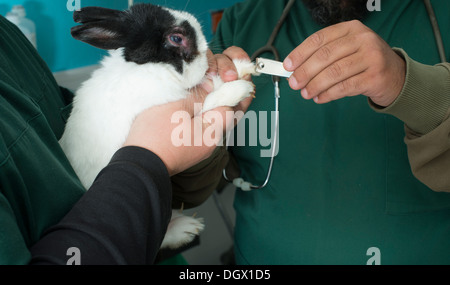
231, 93
182, 230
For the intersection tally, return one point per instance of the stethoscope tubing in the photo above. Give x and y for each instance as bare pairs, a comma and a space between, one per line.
269, 47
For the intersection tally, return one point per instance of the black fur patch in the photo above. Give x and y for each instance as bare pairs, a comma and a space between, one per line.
142, 31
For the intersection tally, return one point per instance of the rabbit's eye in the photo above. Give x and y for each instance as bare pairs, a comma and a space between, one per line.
176, 39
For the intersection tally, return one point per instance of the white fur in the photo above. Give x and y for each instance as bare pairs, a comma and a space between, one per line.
231, 93
106, 105
181, 230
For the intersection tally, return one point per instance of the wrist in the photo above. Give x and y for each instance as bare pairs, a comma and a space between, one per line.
397, 80
163, 156
143, 157
423, 101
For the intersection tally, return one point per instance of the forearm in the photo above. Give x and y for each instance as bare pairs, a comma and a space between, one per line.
122, 219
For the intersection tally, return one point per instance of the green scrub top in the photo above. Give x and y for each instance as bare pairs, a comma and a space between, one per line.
37, 184
341, 182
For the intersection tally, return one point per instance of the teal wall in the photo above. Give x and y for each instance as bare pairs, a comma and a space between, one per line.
53, 22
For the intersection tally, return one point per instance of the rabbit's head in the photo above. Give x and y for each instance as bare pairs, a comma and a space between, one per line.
148, 34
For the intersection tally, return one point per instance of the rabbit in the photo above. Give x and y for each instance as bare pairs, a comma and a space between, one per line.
155, 56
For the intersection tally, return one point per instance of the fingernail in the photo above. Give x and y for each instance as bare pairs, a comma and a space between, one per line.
316, 99
231, 74
208, 85
212, 73
293, 82
288, 63
304, 93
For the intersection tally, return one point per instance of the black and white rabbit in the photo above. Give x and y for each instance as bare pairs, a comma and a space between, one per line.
155, 56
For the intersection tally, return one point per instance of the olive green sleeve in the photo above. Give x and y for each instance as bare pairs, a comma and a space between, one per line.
194, 186
424, 107
429, 156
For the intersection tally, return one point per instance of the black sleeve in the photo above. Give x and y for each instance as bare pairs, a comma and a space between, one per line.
122, 219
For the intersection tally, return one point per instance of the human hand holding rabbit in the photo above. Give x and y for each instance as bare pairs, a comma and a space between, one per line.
158, 119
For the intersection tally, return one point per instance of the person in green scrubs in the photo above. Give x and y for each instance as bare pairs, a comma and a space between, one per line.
356, 180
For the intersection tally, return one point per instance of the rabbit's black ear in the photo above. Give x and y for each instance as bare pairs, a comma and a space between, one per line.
101, 27
94, 14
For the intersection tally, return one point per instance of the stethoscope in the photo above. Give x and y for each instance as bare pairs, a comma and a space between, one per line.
269, 47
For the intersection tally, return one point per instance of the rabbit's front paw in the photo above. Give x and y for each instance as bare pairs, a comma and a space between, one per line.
181, 231
229, 94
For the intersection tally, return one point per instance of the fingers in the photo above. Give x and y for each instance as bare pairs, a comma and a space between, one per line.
352, 86
334, 74
346, 59
212, 63
313, 43
236, 53
223, 65
322, 59
226, 68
